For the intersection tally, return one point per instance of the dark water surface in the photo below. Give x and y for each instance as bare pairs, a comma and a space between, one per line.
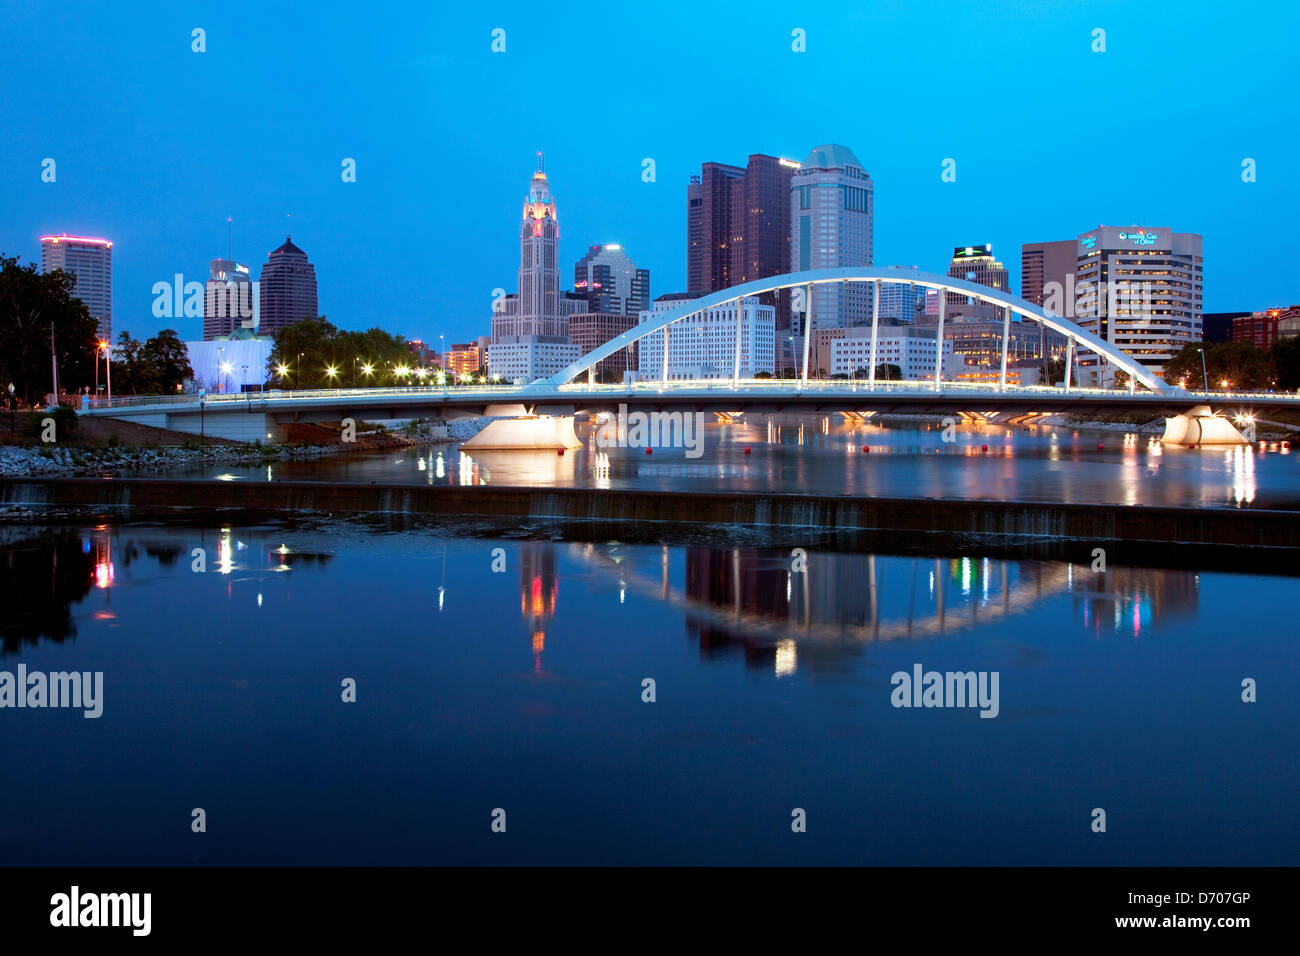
522, 690
821, 456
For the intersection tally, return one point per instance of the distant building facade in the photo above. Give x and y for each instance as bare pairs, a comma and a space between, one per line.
911, 348
591, 330
1043, 263
975, 264
611, 282
230, 299
1263, 329
899, 301
704, 345
91, 261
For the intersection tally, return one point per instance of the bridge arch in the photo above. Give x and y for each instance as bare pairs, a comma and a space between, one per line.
1075, 334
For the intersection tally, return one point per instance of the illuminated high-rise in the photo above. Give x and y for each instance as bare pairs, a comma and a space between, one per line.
91, 261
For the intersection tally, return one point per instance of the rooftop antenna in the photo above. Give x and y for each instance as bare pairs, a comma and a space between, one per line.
541, 162
230, 240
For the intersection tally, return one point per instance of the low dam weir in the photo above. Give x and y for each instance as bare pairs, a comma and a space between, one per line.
1254, 536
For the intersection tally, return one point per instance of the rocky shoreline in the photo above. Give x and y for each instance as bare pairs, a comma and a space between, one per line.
69, 460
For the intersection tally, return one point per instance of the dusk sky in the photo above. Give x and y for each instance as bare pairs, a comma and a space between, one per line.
156, 145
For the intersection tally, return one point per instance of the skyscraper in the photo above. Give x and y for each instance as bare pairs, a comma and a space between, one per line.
831, 212
611, 282
976, 264
530, 332
898, 302
287, 289
742, 220
1042, 263
1139, 288
91, 261
229, 299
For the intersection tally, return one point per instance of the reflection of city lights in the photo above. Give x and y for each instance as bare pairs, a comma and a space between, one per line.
104, 574
786, 658
225, 560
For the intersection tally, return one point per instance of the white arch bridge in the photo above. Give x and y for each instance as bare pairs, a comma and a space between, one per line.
266, 416
1075, 335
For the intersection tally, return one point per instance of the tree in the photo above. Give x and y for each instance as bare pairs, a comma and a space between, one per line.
168, 359
889, 372
1240, 364
308, 349
31, 304
1285, 356
1054, 371
133, 371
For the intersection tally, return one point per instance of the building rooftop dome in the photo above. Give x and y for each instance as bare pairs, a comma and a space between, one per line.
831, 156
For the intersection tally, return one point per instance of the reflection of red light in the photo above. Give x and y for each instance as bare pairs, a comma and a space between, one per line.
104, 574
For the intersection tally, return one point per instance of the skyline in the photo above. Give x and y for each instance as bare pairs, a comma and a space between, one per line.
162, 193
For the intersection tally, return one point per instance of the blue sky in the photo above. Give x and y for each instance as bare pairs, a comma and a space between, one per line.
156, 145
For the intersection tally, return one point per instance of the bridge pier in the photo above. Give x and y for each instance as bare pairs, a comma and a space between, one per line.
1201, 426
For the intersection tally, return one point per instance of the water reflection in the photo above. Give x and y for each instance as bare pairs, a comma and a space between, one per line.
860, 456
44, 576
781, 611
755, 602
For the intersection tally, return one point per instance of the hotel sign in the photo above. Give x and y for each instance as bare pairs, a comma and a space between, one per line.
1118, 238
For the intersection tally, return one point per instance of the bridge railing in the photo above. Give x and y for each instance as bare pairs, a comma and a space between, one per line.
507, 393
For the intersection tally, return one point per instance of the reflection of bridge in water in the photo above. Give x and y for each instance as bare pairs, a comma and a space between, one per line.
750, 599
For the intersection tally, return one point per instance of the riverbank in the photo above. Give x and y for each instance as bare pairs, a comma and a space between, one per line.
117, 447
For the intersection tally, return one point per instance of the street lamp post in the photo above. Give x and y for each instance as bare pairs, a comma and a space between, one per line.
203, 438
13, 404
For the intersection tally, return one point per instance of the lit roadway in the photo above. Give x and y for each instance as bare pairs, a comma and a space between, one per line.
758, 395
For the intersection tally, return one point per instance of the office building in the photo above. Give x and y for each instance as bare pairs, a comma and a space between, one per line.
1139, 289
910, 347
229, 299
1044, 266
831, 210
975, 264
286, 289
1263, 329
591, 330
898, 301
91, 261
610, 281
738, 227
703, 346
